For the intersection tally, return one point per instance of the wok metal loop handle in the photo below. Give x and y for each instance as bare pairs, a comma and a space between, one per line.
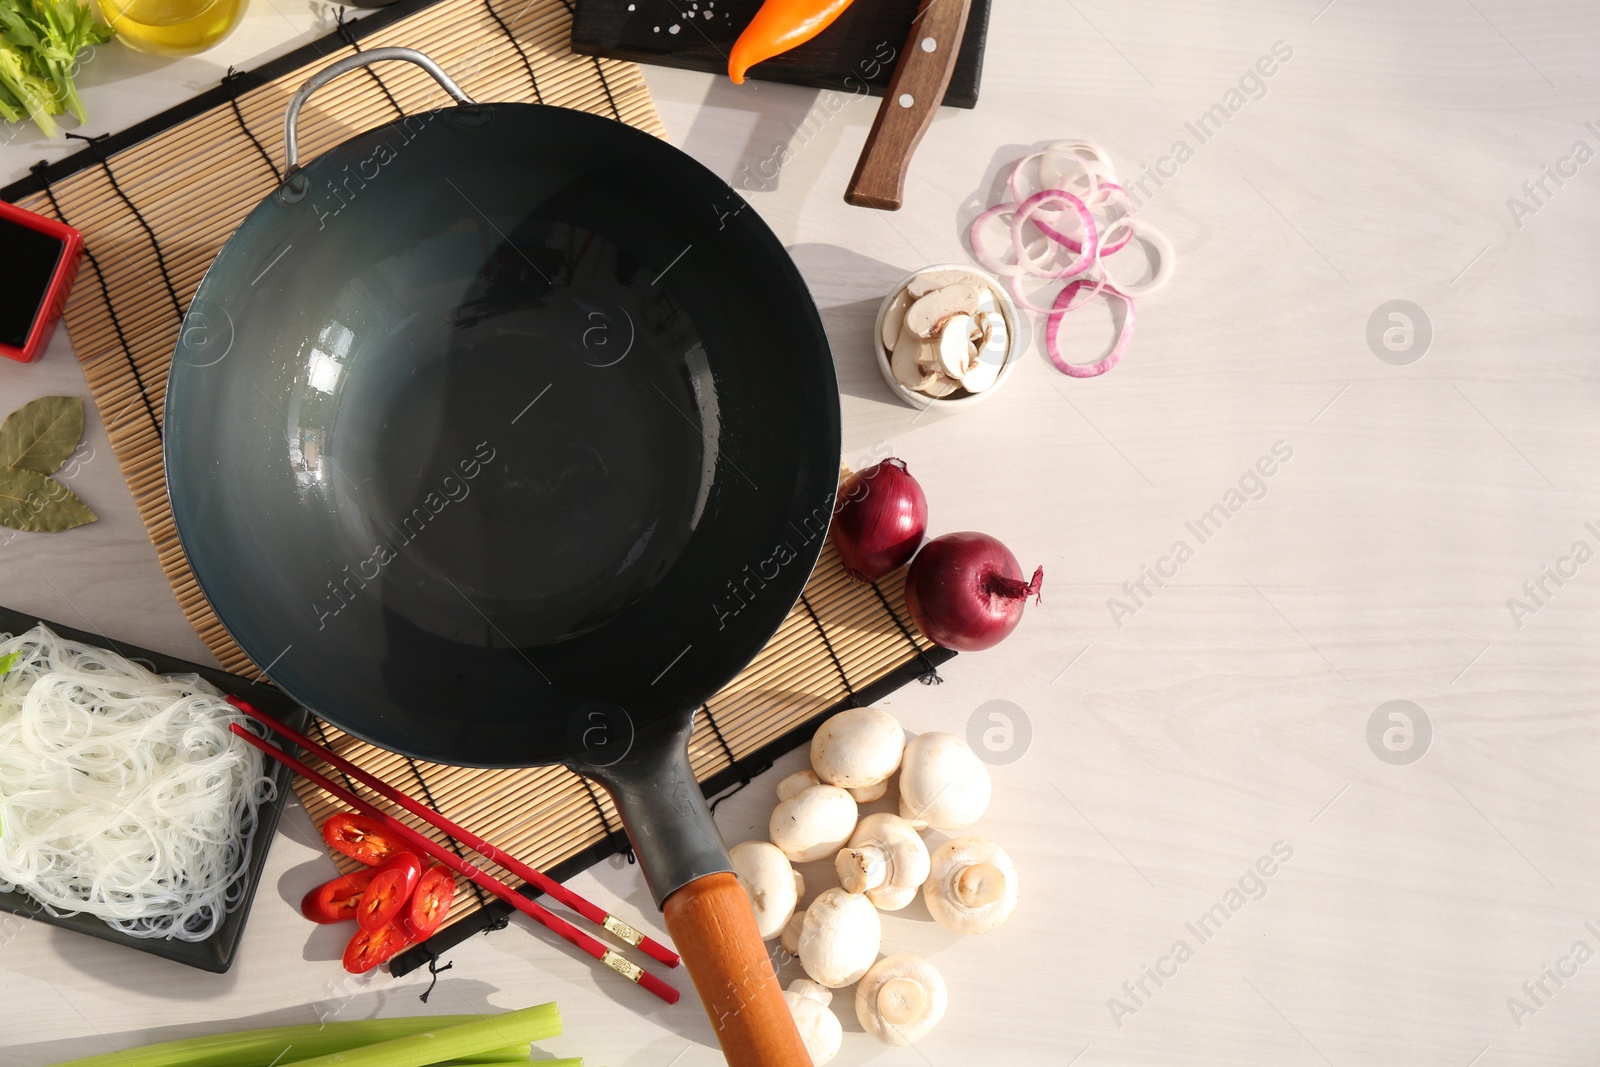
291, 116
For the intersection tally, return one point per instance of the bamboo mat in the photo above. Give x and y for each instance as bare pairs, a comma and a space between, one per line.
843, 644
154, 213
155, 203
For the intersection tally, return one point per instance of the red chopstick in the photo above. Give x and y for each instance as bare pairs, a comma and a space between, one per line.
594, 913
610, 957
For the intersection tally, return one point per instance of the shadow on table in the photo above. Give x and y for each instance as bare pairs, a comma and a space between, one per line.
772, 125
837, 277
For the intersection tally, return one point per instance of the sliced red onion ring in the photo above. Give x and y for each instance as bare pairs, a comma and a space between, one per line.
1089, 151
1082, 216
1024, 214
1088, 172
1021, 299
1049, 223
1165, 258
1078, 155
984, 252
1123, 230
1052, 331
981, 249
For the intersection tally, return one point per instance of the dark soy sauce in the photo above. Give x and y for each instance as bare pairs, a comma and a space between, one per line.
28, 261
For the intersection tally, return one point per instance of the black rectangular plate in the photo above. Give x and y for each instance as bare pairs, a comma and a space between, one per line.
216, 952
841, 57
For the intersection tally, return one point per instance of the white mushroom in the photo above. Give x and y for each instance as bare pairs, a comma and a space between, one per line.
797, 781
940, 385
839, 938
814, 823
901, 999
991, 354
858, 747
885, 859
819, 1027
773, 886
904, 361
927, 316
953, 345
894, 319
929, 280
866, 794
943, 784
790, 938
972, 885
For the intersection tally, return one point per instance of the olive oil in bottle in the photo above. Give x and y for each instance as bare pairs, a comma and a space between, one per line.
172, 27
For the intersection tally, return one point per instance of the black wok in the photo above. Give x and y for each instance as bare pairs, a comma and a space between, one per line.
507, 435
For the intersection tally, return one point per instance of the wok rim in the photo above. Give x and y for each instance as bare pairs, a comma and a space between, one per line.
794, 575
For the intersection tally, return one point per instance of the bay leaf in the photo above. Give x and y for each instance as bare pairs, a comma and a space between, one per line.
41, 434
38, 503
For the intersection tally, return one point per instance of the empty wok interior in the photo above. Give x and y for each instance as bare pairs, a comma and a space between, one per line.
496, 414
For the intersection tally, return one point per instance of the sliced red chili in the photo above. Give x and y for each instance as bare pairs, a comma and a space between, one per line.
365, 840
371, 947
335, 900
429, 904
390, 889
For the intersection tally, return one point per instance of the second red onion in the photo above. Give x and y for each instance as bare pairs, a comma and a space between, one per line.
879, 520
965, 591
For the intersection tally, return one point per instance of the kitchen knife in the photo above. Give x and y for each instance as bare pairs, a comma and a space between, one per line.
920, 78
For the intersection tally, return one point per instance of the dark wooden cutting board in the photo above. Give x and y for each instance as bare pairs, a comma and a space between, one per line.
856, 54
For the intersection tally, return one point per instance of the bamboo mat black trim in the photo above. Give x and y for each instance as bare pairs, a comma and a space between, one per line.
230, 82
844, 676
97, 149
496, 914
220, 95
116, 323
522, 53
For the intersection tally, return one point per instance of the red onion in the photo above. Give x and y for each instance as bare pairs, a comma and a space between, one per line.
879, 520
965, 591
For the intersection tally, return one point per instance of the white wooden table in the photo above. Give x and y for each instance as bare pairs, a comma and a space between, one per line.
1215, 718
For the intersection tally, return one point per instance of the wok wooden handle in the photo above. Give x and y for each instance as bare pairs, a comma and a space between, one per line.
920, 79
714, 931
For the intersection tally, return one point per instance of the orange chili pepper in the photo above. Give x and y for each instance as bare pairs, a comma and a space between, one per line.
779, 26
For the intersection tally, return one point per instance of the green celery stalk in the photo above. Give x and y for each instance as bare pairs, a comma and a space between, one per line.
258, 1048
46, 37
31, 92
447, 1043
69, 27
496, 1056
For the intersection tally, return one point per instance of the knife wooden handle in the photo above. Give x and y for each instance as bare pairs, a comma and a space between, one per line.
920, 79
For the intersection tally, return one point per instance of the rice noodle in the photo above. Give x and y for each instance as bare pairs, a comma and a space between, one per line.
123, 794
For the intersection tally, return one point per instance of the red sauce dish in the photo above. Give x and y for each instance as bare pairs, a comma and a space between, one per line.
38, 262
